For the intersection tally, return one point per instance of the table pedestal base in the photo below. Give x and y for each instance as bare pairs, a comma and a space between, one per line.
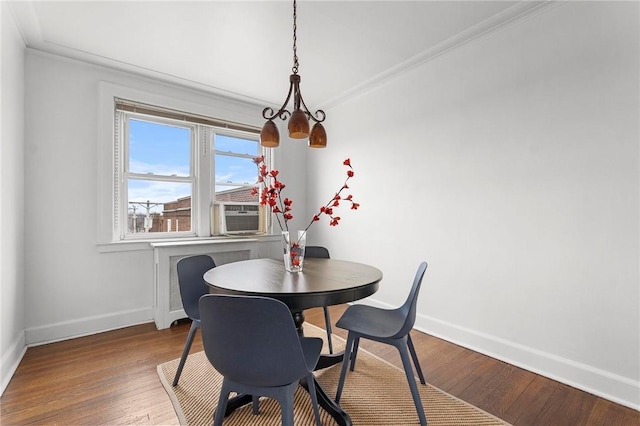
329, 405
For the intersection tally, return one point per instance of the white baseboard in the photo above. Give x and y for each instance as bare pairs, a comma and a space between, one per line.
35, 336
10, 361
610, 386
613, 387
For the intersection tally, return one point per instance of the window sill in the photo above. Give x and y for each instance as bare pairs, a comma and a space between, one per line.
142, 245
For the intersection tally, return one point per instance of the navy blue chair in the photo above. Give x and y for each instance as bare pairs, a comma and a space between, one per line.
192, 286
390, 326
253, 343
319, 252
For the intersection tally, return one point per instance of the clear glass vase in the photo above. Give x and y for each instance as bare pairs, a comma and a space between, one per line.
294, 250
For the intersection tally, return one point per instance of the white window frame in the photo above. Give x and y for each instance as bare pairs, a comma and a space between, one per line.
121, 194
237, 134
112, 213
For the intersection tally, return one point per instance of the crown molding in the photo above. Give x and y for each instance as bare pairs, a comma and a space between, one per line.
511, 16
27, 21
30, 29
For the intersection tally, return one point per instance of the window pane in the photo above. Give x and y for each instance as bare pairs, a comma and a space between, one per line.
159, 149
235, 194
156, 206
233, 172
237, 145
236, 170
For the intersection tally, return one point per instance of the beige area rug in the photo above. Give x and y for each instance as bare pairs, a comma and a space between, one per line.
376, 393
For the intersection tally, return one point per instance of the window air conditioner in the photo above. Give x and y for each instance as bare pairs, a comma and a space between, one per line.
236, 218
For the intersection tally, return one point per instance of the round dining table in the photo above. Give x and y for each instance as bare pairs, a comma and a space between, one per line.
322, 282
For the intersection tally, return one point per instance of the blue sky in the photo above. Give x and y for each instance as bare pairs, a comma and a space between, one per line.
165, 150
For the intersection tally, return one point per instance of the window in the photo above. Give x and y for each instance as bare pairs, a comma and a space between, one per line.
234, 166
158, 175
174, 170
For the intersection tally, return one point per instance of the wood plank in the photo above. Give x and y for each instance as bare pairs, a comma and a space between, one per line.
110, 378
551, 413
508, 387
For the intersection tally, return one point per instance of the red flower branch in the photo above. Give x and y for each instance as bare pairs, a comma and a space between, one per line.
270, 190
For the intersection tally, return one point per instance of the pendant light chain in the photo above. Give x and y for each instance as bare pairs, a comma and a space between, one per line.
299, 116
295, 38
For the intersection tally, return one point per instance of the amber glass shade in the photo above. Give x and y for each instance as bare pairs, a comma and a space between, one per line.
269, 136
298, 125
318, 137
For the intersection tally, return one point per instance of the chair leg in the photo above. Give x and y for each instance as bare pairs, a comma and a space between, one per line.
256, 404
345, 363
354, 353
416, 363
327, 323
402, 348
218, 415
285, 396
185, 352
311, 384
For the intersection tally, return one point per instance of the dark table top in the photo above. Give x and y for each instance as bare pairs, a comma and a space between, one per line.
321, 282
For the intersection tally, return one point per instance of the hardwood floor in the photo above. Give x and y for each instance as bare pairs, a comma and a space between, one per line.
110, 379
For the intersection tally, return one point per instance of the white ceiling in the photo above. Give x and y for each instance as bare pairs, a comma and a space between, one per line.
244, 48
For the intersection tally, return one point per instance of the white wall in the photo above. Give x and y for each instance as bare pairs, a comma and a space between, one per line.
12, 305
511, 165
73, 285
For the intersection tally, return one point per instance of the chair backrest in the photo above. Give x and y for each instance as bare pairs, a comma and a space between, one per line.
252, 340
409, 306
191, 281
318, 252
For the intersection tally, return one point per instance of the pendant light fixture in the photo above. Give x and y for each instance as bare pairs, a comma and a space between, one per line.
298, 125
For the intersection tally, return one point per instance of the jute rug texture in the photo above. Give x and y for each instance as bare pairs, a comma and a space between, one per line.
376, 393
